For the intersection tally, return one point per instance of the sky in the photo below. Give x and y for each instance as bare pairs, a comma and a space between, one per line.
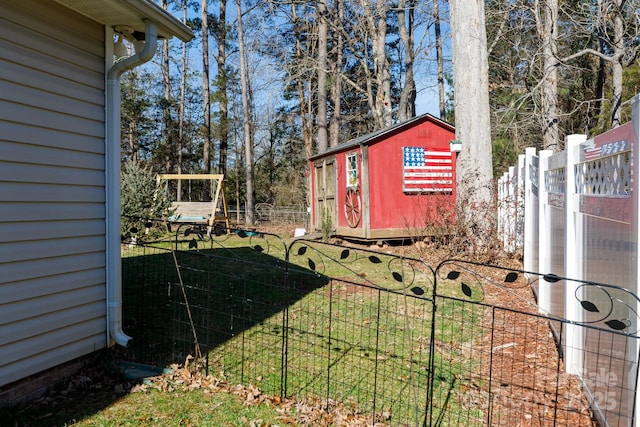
425, 74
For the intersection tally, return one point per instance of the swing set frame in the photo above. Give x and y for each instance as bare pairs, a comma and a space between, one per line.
203, 211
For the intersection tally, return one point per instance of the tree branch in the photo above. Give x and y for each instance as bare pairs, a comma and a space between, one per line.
585, 52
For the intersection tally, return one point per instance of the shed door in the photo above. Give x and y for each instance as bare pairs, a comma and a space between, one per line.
326, 195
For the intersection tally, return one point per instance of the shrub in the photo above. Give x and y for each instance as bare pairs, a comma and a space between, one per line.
327, 224
142, 199
468, 230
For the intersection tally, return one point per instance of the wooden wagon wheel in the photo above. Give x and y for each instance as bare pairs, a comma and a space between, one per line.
353, 207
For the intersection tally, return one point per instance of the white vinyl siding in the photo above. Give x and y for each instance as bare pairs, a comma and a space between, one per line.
52, 187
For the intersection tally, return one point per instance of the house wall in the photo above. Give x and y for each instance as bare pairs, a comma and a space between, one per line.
52, 187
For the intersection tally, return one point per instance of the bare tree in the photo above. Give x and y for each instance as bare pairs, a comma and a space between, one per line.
223, 102
206, 95
323, 34
439, 59
336, 87
305, 109
183, 89
610, 21
407, 105
471, 100
305, 103
376, 20
546, 13
166, 104
246, 121
366, 37
169, 133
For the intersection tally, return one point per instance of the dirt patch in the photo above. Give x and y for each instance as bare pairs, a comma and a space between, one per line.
528, 384
344, 288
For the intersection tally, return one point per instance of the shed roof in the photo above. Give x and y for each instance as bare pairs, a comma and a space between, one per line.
376, 136
131, 13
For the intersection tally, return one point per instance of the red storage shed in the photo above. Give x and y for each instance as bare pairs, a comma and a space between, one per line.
388, 184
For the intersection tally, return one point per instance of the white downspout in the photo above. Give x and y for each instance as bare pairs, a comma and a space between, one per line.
112, 171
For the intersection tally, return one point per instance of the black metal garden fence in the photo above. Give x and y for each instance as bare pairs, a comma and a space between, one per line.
456, 344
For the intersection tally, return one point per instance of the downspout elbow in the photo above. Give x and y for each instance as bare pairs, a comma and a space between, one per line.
139, 58
112, 167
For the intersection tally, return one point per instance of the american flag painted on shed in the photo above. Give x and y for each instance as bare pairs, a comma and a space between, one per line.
593, 149
426, 170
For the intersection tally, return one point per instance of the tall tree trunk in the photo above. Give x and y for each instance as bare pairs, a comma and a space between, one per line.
547, 26
602, 77
407, 107
473, 127
616, 64
183, 89
134, 146
377, 22
166, 107
307, 134
206, 96
323, 34
246, 121
307, 131
238, 154
221, 35
384, 73
166, 110
132, 134
439, 59
336, 88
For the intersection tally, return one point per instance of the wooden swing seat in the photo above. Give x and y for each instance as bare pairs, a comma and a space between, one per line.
191, 211
200, 212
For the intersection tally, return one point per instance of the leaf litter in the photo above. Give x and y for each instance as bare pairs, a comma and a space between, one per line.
292, 411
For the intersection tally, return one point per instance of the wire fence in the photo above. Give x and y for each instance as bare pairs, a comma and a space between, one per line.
267, 213
410, 344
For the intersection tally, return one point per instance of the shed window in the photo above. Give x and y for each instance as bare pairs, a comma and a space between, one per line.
352, 170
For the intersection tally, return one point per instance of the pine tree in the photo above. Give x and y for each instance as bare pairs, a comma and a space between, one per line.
142, 198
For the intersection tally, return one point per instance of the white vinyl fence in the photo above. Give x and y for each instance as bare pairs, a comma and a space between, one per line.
575, 214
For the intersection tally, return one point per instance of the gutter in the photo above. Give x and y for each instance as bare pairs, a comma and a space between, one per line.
166, 24
112, 171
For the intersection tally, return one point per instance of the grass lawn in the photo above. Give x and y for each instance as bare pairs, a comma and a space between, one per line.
180, 398
192, 408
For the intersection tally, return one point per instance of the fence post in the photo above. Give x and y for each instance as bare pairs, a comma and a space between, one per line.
635, 117
530, 210
573, 258
544, 232
519, 189
510, 211
501, 209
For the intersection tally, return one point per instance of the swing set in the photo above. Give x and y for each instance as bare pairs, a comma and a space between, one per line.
198, 212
